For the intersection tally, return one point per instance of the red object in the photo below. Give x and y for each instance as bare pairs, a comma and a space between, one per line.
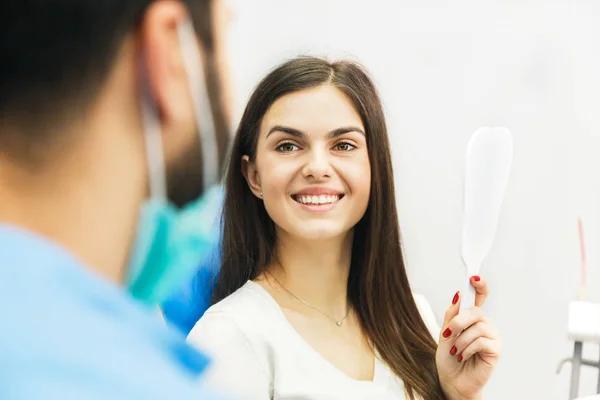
460, 358
455, 299
447, 333
453, 350
583, 260
476, 278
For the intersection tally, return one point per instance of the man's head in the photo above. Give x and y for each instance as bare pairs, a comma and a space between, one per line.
72, 136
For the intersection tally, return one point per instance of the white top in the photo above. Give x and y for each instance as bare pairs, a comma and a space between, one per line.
258, 355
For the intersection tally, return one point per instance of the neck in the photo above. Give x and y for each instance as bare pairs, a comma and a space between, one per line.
315, 271
81, 196
86, 195
72, 203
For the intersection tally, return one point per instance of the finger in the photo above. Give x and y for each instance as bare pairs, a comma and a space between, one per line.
481, 290
469, 335
484, 346
451, 312
461, 322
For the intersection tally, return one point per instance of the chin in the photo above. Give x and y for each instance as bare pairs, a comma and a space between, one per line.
320, 231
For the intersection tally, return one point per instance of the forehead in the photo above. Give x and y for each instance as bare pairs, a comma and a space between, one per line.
316, 110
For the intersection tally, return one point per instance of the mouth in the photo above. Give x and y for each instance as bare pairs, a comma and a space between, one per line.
317, 200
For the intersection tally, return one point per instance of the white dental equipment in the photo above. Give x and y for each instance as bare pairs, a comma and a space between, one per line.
583, 326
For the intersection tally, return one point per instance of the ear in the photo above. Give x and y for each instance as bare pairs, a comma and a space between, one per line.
164, 67
252, 178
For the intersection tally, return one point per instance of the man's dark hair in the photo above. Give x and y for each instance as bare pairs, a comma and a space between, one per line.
56, 56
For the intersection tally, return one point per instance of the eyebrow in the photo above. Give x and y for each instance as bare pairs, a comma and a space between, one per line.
298, 133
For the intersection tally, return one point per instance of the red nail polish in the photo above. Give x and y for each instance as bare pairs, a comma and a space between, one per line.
453, 350
455, 299
476, 278
460, 358
447, 333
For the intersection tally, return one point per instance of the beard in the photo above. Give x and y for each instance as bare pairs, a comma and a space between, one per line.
184, 175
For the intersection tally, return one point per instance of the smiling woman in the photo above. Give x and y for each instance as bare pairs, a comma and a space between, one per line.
314, 151
313, 301
317, 198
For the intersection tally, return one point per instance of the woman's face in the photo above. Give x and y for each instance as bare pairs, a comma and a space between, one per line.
312, 165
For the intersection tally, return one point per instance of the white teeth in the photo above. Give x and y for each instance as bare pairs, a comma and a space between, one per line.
322, 199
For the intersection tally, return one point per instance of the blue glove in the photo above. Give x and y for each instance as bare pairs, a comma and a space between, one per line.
189, 304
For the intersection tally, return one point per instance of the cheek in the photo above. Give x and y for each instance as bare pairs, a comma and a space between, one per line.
357, 174
276, 176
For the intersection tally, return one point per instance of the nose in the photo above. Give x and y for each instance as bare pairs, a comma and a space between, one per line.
318, 165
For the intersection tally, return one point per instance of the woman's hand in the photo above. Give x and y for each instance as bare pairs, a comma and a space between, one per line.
468, 349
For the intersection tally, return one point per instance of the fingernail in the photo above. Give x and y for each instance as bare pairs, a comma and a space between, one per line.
460, 358
453, 350
455, 299
447, 333
476, 278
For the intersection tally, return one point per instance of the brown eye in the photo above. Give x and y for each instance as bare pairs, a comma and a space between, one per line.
287, 147
345, 146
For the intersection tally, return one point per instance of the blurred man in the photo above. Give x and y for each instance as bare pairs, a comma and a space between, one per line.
189, 302
111, 144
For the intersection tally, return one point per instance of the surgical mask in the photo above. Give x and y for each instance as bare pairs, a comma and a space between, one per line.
170, 242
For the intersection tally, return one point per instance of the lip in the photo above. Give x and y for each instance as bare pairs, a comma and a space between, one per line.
314, 208
318, 191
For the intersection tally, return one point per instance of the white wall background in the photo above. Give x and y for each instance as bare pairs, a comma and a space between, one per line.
444, 69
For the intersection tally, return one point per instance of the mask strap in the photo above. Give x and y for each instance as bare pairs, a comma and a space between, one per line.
154, 147
202, 109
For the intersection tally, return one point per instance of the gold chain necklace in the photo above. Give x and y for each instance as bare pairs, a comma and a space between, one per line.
338, 322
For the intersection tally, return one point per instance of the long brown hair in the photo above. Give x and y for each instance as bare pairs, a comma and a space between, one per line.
378, 286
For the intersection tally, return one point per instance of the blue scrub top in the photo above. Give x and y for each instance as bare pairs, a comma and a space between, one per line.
67, 333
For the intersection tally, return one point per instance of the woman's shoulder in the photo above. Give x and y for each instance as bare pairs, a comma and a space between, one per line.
234, 333
246, 297
249, 303
247, 310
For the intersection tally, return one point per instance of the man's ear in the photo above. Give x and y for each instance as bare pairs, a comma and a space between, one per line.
164, 67
252, 177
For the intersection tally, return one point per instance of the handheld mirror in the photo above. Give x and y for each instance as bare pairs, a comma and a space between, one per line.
487, 169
